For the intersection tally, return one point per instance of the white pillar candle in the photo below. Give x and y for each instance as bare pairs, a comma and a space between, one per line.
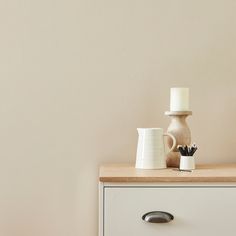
179, 99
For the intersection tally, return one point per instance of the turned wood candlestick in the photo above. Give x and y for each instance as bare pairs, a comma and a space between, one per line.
179, 129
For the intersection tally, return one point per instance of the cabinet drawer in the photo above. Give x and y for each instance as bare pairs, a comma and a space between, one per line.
197, 210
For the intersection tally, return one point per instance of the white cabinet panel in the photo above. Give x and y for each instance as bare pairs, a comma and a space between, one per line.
196, 210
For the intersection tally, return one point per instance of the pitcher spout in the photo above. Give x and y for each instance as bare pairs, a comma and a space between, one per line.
139, 130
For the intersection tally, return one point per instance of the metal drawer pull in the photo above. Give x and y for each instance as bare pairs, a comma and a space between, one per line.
158, 217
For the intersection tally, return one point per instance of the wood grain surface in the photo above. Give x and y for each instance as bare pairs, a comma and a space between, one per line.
202, 173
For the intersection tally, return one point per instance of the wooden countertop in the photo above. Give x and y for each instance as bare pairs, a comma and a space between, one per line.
202, 173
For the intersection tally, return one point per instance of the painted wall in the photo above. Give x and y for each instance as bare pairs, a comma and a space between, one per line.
76, 80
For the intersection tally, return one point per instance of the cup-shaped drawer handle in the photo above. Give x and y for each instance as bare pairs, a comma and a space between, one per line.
158, 217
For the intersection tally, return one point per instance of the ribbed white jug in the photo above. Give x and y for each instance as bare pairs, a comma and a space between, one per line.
151, 149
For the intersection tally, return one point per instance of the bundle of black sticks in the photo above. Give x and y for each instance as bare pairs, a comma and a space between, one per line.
187, 150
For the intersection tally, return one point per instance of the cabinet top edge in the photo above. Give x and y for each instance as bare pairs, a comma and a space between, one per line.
202, 173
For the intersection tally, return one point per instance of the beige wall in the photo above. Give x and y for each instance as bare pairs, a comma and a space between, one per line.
76, 80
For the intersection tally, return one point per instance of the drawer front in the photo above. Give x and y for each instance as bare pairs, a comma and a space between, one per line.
196, 210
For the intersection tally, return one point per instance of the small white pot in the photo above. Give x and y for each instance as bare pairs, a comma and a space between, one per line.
187, 163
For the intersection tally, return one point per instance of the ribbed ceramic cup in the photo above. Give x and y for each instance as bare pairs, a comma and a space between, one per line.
151, 152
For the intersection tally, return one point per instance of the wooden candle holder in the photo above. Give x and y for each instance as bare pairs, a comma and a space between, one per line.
179, 129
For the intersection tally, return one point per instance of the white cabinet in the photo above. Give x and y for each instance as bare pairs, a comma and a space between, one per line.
198, 208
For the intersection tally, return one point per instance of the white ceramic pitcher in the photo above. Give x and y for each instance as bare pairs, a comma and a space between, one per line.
151, 149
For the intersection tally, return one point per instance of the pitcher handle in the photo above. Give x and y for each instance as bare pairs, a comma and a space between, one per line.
174, 141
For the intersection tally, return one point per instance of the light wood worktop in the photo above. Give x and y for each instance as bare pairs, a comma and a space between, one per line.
203, 173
